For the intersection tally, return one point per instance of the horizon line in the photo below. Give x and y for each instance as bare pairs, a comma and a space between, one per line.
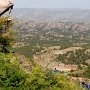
48, 8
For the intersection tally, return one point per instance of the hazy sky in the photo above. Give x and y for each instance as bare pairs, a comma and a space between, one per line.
83, 4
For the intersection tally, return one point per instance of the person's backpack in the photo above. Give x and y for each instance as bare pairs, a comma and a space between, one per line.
6, 5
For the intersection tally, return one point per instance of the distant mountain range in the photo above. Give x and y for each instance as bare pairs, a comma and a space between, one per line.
45, 15
38, 30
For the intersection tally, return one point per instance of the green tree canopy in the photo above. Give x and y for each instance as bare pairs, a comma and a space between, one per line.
6, 34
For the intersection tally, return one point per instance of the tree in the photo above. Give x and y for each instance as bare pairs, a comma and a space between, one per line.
6, 34
87, 72
40, 79
11, 76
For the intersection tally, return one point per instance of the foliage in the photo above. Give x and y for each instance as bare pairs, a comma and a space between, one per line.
6, 35
78, 57
28, 50
82, 73
87, 72
10, 74
14, 78
40, 79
